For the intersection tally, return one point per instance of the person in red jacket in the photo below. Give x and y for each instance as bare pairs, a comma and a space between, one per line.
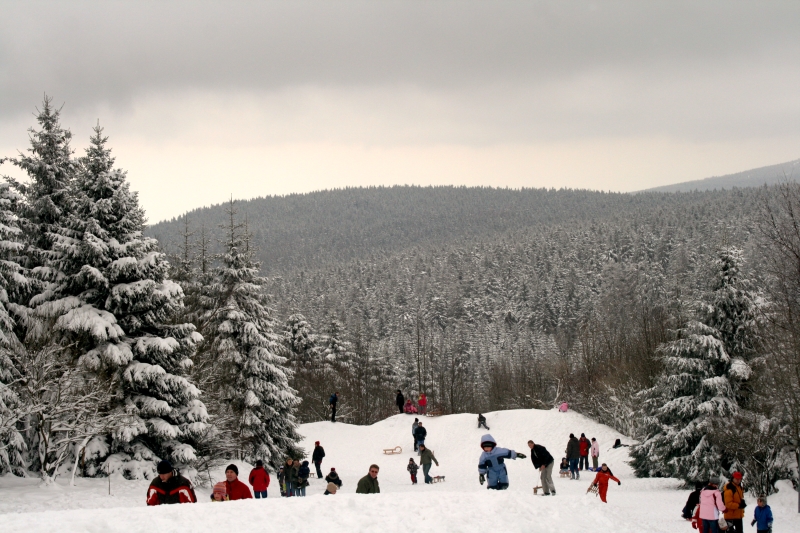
601, 481
235, 489
423, 404
584, 447
169, 487
259, 479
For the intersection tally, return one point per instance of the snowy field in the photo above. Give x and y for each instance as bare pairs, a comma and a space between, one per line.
458, 505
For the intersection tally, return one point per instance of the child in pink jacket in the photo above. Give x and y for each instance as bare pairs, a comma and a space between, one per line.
711, 505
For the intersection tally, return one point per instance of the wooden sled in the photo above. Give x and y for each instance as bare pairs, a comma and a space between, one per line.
392, 451
563, 474
593, 489
434, 412
536, 489
437, 479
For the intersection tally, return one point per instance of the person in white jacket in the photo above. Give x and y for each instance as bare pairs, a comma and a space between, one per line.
595, 453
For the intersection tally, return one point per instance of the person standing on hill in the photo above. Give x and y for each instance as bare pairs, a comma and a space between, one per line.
423, 404
169, 487
235, 489
601, 481
316, 457
303, 474
492, 463
400, 401
332, 401
290, 476
573, 453
733, 498
369, 483
419, 434
412, 469
595, 452
543, 461
584, 446
259, 480
414, 433
482, 422
425, 458
711, 505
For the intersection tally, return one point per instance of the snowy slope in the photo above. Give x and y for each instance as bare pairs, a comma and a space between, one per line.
459, 505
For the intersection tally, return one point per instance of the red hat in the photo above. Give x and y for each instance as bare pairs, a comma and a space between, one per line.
737, 475
333, 470
316, 443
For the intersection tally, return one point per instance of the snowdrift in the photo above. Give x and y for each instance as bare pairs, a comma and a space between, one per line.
459, 504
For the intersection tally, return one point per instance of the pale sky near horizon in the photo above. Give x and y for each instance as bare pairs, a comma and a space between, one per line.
204, 100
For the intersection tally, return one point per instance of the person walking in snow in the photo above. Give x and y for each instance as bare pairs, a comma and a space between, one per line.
584, 445
169, 487
332, 401
601, 481
733, 498
369, 483
492, 463
711, 505
259, 480
400, 401
762, 516
482, 422
573, 453
423, 403
412, 469
543, 462
316, 457
419, 434
595, 452
303, 474
425, 458
334, 482
235, 489
413, 432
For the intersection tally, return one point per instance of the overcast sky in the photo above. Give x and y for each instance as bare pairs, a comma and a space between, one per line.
203, 100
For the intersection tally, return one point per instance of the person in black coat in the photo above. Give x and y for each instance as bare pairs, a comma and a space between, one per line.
316, 458
333, 477
332, 401
543, 461
693, 501
400, 401
419, 434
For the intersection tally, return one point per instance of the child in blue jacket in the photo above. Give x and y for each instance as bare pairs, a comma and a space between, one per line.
762, 516
492, 462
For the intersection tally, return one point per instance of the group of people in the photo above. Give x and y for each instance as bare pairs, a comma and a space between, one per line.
407, 406
577, 456
708, 501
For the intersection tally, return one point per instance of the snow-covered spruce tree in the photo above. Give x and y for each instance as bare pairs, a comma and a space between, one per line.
112, 307
251, 402
705, 374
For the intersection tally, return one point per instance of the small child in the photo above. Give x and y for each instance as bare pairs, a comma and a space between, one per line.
220, 492
412, 469
601, 481
564, 467
762, 516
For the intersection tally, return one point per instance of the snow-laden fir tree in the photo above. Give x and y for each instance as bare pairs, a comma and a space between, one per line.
250, 398
704, 379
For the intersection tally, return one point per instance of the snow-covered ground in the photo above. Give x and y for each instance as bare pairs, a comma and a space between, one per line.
458, 505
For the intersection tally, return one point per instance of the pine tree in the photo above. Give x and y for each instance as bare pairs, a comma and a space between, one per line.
705, 373
253, 404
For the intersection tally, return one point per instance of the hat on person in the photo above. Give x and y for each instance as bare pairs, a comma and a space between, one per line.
737, 475
316, 443
220, 490
259, 463
333, 469
713, 480
232, 467
164, 467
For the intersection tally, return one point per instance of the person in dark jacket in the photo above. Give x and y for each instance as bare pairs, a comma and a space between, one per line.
425, 458
573, 453
413, 433
400, 401
543, 461
259, 480
302, 479
693, 501
316, 458
482, 422
412, 469
419, 434
169, 487
290, 476
333, 478
369, 483
332, 401
235, 489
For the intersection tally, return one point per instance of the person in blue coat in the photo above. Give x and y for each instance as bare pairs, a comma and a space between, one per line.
762, 516
492, 463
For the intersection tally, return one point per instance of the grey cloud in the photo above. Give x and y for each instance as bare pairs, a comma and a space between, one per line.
112, 51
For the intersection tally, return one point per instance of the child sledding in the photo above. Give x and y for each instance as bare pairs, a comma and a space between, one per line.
600, 484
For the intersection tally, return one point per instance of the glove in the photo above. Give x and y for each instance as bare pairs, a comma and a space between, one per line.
521, 455
742, 504
481, 478
619, 482
753, 522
